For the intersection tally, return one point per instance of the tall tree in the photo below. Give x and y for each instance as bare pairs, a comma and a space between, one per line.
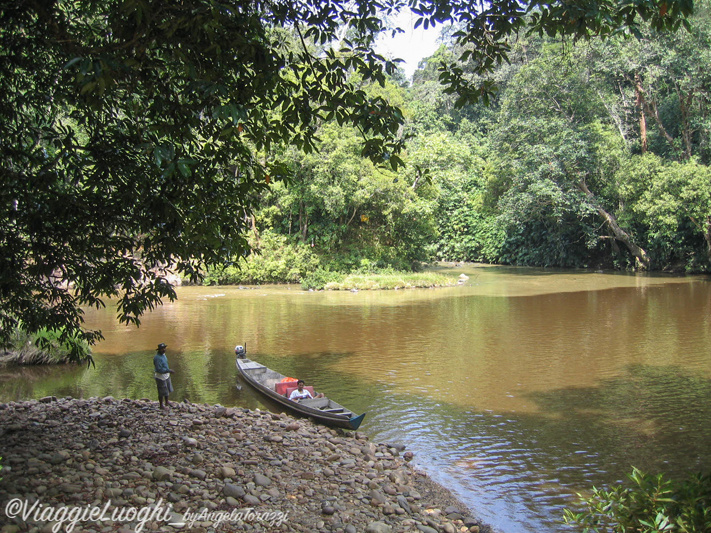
672, 201
348, 209
663, 87
557, 148
670, 74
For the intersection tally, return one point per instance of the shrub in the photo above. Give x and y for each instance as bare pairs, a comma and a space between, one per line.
275, 261
652, 504
319, 278
47, 346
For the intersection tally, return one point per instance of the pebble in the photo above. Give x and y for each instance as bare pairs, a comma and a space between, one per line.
123, 453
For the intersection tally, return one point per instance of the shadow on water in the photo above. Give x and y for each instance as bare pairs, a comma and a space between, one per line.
524, 469
631, 414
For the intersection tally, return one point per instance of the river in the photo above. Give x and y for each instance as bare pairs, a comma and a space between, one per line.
517, 389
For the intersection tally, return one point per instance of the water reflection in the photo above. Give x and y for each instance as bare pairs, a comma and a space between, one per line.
581, 437
517, 390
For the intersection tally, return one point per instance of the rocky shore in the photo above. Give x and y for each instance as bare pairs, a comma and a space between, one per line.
105, 465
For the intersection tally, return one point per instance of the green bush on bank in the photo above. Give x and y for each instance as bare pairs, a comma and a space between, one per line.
319, 278
45, 347
652, 504
274, 260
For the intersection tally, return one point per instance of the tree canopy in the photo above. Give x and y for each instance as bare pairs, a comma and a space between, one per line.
137, 136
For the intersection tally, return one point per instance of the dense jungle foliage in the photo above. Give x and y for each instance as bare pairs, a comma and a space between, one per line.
593, 154
144, 139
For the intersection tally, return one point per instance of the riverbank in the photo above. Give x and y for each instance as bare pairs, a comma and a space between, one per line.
204, 468
30, 359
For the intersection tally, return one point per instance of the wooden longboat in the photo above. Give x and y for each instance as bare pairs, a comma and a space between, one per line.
323, 410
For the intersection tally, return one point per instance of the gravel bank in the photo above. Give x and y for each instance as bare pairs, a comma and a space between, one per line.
103, 465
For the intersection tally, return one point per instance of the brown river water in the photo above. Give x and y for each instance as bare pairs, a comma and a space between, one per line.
517, 389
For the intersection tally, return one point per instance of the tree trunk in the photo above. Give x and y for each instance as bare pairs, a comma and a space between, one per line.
651, 109
255, 230
705, 228
642, 259
355, 210
616, 117
303, 223
685, 106
639, 92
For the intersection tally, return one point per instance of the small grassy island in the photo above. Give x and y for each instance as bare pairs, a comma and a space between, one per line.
278, 261
390, 281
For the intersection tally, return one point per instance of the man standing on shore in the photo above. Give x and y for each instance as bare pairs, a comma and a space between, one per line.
162, 375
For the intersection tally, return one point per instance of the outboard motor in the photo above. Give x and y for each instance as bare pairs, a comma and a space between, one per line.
240, 351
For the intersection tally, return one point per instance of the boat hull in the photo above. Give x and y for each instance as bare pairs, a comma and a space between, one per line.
323, 410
